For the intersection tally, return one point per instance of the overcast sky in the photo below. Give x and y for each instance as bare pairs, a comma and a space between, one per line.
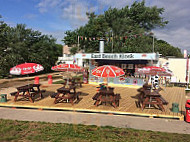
57, 16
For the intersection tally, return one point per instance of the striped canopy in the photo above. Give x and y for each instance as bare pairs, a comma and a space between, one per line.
108, 71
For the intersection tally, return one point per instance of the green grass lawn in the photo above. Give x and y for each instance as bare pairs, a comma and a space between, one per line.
59, 82
62, 81
41, 131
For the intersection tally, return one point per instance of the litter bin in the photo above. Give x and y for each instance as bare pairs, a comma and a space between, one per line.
50, 80
36, 80
187, 107
3, 98
175, 107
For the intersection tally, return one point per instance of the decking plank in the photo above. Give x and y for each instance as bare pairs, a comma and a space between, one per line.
127, 101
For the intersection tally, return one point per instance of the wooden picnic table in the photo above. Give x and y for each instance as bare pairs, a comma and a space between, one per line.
152, 97
78, 82
28, 91
105, 96
66, 94
74, 82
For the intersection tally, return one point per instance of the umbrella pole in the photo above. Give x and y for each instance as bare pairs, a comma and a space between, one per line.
27, 79
67, 78
107, 81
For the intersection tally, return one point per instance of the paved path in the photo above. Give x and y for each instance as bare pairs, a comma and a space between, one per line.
164, 125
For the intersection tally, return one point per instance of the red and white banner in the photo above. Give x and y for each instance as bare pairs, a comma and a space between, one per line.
187, 71
26, 68
185, 53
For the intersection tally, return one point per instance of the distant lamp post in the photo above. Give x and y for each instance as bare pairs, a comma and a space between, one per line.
187, 73
112, 42
153, 43
111, 31
152, 34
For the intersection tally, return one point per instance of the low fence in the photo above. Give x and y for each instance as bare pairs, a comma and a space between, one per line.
118, 80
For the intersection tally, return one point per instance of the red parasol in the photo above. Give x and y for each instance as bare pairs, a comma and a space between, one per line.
26, 68
166, 73
151, 70
108, 71
67, 67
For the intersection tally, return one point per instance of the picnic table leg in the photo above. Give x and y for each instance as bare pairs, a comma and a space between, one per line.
71, 100
160, 104
57, 98
55, 101
29, 96
16, 96
76, 96
41, 95
114, 104
97, 101
144, 103
150, 101
113, 100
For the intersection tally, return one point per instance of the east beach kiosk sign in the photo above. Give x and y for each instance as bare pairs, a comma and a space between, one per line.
118, 56
111, 56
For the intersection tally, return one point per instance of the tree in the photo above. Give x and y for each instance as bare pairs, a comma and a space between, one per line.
166, 49
130, 27
19, 44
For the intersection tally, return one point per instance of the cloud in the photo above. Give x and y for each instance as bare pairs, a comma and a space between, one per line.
44, 5
73, 11
176, 12
76, 13
114, 3
30, 16
58, 34
177, 38
177, 32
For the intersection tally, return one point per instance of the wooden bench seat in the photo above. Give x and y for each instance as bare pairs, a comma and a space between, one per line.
67, 97
33, 94
163, 101
53, 95
140, 89
95, 97
117, 98
80, 83
13, 93
41, 91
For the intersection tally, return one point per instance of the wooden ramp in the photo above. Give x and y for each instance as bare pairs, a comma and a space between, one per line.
86, 104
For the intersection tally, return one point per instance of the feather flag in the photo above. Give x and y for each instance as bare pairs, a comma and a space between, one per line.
74, 60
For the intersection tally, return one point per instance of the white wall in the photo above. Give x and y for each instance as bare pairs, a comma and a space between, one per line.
177, 66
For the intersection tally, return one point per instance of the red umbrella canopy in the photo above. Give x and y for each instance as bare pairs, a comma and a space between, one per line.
26, 68
66, 67
150, 70
166, 73
107, 71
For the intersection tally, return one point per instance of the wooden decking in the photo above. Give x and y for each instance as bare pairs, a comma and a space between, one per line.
127, 102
